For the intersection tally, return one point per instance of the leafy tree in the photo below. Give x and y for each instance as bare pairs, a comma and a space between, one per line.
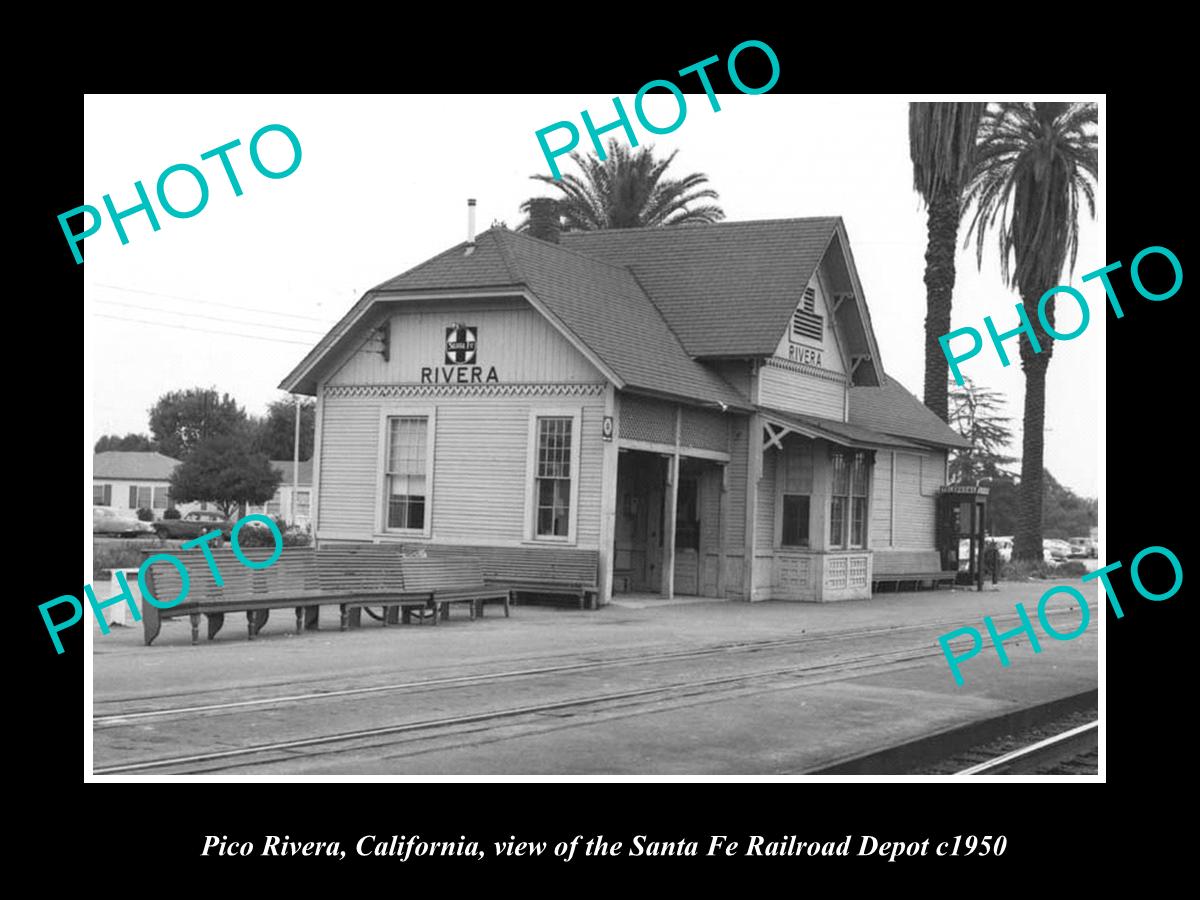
1064, 513
941, 138
1035, 164
131, 441
628, 190
976, 414
275, 433
181, 420
226, 470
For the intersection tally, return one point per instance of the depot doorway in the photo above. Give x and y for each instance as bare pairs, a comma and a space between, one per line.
639, 539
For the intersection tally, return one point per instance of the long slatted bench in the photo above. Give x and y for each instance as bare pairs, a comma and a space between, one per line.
534, 570
301, 578
453, 580
909, 567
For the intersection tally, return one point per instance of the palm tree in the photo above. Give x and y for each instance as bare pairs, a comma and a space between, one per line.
941, 137
1033, 164
628, 190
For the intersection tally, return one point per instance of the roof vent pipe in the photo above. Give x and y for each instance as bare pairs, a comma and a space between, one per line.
471, 221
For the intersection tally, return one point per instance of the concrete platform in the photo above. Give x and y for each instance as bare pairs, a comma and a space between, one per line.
784, 725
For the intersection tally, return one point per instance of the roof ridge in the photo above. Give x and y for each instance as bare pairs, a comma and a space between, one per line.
428, 262
682, 346
510, 264
587, 256
667, 228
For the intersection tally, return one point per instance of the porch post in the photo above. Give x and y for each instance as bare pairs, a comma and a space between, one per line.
754, 435
608, 498
671, 501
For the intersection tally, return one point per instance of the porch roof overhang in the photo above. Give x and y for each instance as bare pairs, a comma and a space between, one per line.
779, 424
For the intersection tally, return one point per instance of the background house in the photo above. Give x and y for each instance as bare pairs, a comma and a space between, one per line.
292, 502
133, 480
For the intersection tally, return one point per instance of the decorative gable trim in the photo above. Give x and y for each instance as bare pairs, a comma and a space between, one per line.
776, 362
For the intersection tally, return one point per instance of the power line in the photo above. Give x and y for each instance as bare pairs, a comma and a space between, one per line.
270, 312
170, 312
253, 337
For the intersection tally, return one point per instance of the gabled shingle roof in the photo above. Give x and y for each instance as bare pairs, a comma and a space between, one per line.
600, 305
725, 289
606, 309
893, 410
133, 465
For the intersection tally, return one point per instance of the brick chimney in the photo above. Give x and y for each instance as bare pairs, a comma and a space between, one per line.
543, 219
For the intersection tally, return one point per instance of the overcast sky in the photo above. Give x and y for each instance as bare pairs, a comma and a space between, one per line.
383, 184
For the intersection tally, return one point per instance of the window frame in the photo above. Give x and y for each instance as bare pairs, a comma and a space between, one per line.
388, 412
783, 495
307, 494
105, 495
844, 540
575, 414
135, 491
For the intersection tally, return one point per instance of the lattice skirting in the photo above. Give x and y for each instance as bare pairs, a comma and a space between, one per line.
564, 389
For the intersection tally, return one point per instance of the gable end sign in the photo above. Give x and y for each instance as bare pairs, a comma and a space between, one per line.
460, 345
460, 358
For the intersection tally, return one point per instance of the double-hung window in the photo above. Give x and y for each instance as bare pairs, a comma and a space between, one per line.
552, 488
554, 475
848, 501
303, 504
406, 474
102, 495
794, 474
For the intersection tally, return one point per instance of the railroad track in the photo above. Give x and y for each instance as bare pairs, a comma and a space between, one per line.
490, 722
123, 717
275, 751
1073, 749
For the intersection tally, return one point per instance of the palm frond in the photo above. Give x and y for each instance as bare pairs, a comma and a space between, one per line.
630, 188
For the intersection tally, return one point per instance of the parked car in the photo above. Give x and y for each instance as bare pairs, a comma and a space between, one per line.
118, 523
1082, 548
195, 524
1058, 550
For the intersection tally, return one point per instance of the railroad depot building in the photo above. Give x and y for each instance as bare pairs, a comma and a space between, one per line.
705, 406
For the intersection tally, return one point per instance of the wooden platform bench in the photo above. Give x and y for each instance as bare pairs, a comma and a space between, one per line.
453, 580
909, 567
301, 579
561, 571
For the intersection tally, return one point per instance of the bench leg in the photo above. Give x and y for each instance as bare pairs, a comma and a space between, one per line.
299, 620
151, 623
445, 612
355, 616
391, 615
405, 615
507, 599
215, 621
255, 620
342, 610
195, 619
312, 618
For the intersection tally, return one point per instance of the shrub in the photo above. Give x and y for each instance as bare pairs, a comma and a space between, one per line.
171, 513
1022, 570
146, 515
262, 537
122, 553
